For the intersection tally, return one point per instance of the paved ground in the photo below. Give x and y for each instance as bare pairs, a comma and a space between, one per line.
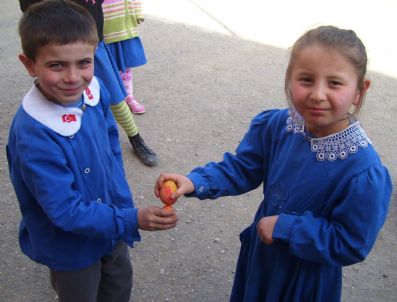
206, 78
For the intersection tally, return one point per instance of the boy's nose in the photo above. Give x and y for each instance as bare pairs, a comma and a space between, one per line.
72, 75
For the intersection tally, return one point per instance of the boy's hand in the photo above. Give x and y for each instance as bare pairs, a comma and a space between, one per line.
265, 228
153, 218
184, 184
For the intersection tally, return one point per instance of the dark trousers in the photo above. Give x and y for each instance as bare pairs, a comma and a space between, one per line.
107, 280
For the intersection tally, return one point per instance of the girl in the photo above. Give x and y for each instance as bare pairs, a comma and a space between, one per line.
326, 192
121, 35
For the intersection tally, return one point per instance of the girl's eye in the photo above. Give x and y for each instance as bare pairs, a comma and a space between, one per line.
305, 80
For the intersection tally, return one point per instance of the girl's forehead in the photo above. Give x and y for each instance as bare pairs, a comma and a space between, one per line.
320, 54
323, 60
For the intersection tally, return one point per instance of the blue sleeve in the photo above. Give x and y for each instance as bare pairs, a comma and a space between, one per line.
239, 173
111, 126
48, 179
349, 234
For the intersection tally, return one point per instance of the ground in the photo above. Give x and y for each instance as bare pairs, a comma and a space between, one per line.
200, 90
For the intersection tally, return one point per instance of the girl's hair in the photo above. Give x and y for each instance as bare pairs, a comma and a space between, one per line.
343, 41
57, 22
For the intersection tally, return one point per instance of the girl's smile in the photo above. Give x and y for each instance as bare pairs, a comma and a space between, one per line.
324, 87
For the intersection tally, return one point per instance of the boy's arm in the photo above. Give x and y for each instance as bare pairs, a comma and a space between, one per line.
46, 178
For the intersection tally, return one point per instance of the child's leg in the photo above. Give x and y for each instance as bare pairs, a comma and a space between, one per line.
134, 105
116, 281
107, 280
124, 117
81, 285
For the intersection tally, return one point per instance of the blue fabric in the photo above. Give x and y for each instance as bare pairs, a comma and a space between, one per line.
128, 53
330, 212
107, 70
73, 194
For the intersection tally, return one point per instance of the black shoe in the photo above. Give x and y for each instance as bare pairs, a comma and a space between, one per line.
143, 152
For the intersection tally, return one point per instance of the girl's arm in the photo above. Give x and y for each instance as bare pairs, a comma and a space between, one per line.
349, 234
239, 173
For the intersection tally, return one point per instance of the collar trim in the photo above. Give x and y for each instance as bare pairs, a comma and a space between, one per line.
338, 145
65, 121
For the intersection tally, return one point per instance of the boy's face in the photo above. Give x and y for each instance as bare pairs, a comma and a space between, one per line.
62, 71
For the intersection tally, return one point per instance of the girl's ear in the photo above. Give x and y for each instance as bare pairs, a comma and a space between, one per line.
28, 63
360, 96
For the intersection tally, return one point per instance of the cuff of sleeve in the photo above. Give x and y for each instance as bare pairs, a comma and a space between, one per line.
131, 233
283, 228
200, 187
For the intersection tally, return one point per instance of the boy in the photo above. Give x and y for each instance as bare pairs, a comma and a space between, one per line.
107, 71
66, 164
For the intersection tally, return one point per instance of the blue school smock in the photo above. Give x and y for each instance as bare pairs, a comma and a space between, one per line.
67, 171
331, 194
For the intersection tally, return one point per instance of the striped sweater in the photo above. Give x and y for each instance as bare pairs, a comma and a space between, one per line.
121, 19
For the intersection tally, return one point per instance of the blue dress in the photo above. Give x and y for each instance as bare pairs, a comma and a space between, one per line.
331, 194
107, 70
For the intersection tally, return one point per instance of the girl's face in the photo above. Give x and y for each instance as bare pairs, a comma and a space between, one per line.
323, 89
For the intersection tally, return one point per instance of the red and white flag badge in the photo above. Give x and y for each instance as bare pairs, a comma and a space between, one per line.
89, 93
69, 118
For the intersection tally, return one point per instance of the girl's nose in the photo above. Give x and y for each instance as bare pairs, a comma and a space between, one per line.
318, 93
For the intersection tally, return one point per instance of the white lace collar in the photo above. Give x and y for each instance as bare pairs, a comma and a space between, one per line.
337, 145
65, 121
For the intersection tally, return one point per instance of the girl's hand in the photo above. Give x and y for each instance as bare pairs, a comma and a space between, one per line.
265, 228
184, 184
153, 218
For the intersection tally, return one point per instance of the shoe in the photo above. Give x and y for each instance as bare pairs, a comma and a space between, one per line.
135, 106
143, 152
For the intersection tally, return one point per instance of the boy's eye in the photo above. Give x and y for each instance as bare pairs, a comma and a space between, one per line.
55, 65
85, 63
335, 83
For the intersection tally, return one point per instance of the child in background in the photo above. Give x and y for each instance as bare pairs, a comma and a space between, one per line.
106, 70
325, 191
66, 165
121, 19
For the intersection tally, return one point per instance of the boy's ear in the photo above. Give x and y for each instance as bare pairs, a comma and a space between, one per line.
28, 63
367, 83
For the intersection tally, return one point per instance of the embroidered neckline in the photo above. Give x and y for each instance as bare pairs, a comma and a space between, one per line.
338, 145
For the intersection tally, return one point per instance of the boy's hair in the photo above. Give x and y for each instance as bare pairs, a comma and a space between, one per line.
344, 41
57, 22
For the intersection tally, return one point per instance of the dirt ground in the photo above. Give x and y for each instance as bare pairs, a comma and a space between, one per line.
200, 90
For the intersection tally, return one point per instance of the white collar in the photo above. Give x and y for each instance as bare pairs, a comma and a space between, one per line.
338, 145
65, 121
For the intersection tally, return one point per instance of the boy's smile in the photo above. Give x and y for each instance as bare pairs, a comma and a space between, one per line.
62, 71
